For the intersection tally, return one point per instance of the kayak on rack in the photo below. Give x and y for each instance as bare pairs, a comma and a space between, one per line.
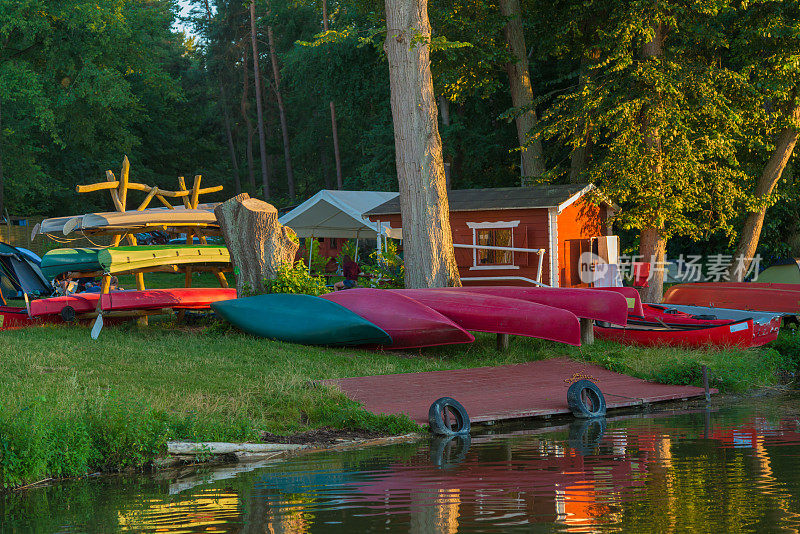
409, 323
300, 319
584, 303
500, 315
189, 298
117, 260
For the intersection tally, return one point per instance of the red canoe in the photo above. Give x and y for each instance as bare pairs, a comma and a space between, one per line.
630, 294
148, 299
584, 303
500, 315
81, 302
738, 333
744, 296
186, 298
409, 323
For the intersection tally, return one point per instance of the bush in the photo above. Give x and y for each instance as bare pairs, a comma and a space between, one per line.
295, 279
386, 270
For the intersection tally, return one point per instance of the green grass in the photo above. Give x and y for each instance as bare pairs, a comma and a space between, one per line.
69, 405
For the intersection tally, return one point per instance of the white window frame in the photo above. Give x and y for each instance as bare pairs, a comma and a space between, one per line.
490, 226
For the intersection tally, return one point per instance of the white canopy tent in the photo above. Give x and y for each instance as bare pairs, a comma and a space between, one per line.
338, 214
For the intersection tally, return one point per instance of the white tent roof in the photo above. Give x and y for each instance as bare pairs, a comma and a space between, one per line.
338, 214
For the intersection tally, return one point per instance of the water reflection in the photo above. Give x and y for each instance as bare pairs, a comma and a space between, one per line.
735, 469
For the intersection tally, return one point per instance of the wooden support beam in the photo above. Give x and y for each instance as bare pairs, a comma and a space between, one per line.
195, 192
502, 342
587, 331
182, 189
124, 178
114, 195
164, 201
153, 192
133, 186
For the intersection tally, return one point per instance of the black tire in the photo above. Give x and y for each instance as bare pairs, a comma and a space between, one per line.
436, 419
596, 405
585, 435
449, 451
68, 314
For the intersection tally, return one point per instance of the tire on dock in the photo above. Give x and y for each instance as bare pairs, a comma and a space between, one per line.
585, 400
439, 417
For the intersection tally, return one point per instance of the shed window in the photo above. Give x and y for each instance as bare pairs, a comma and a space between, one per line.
495, 237
493, 234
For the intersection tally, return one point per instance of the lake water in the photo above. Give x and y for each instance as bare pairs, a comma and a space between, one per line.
732, 468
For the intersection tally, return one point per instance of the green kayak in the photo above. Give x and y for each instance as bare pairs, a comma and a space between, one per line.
62, 260
300, 319
121, 259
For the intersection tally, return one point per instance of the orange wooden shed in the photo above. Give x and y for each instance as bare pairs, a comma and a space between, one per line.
563, 220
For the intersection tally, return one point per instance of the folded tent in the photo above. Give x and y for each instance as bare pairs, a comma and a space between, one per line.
19, 274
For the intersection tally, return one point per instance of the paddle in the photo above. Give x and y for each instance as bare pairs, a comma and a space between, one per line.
70, 225
97, 326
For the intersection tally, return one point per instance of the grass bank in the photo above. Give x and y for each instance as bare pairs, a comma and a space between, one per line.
69, 406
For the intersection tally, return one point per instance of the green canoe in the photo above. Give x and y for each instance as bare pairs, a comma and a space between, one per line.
62, 260
121, 259
300, 319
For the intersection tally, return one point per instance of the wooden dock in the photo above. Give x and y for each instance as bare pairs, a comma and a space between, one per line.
506, 392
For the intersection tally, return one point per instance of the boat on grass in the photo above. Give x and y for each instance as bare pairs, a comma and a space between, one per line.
584, 303
653, 333
783, 298
300, 319
408, 322
500, 315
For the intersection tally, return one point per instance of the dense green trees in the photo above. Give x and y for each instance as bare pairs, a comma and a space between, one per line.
675, 108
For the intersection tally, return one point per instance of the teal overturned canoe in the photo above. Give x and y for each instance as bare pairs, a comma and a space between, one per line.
300, 319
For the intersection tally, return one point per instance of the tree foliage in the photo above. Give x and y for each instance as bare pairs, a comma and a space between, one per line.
82, 83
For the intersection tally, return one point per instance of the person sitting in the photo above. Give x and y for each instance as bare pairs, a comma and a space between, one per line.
351, 270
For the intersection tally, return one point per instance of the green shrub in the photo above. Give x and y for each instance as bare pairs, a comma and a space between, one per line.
386, 269
295, 279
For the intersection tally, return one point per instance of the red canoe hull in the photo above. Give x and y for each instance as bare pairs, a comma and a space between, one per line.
732, 334
500, 315
744, 296
632, 297
189, 298
583, 303
409, 323
148, 299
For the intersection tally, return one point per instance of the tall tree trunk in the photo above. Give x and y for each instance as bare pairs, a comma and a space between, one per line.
334, 128
652, 244
226, 119
444, 109
579, 159
262, 145
427, 239
276, 75
2, 181
246, 115
532, 162
751, 233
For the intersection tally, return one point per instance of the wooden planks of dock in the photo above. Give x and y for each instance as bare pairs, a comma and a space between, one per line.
505, 392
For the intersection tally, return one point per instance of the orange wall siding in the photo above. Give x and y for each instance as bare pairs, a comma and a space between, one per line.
576, 224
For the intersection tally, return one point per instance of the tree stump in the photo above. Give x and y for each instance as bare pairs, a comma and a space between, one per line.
258, 244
